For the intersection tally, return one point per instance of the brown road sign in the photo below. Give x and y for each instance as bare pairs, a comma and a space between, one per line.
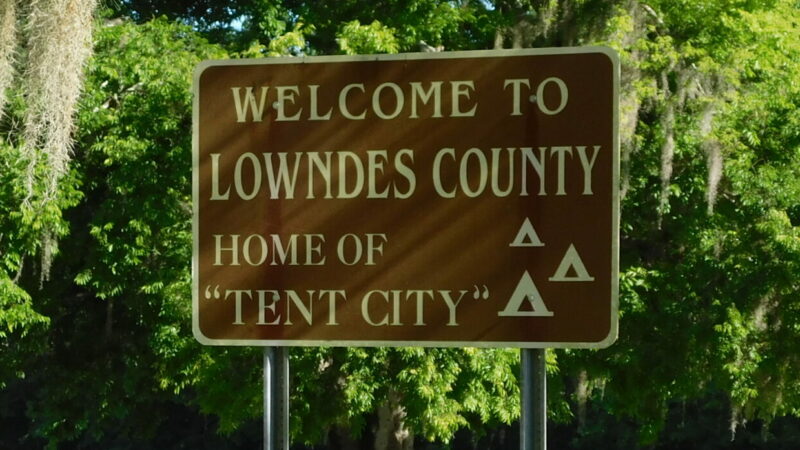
433, 199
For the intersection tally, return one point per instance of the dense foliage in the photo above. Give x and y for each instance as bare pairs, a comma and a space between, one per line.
99, 354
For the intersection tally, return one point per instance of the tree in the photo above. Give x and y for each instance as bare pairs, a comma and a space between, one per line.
702, 275
40, 81
710, 249
117, 301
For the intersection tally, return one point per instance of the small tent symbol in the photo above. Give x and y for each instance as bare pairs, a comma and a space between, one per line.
526, 236
572, 261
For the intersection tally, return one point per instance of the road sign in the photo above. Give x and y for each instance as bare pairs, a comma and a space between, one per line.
433, 199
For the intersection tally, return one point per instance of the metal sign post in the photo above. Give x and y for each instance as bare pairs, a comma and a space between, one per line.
533, 418
276, 398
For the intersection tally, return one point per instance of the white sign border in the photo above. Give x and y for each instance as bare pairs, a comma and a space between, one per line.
615, 211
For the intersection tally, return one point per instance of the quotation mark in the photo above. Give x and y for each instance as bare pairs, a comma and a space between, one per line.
216, 294
478, 294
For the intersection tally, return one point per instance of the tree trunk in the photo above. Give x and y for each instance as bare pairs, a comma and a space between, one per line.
345, 439
582, 395
392, 433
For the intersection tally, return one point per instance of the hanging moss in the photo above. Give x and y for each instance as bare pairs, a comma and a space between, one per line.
713, 150
59, 42
667, 147
8, 43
